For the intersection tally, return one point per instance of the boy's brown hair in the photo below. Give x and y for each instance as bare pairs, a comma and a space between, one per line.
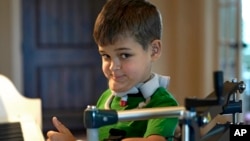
128, 18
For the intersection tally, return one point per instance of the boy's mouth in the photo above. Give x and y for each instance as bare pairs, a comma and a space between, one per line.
118, 78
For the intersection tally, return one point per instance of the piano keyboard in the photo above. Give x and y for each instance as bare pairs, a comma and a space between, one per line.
23, 128
11, 132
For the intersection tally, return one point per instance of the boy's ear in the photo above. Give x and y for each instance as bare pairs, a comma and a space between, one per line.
155, 49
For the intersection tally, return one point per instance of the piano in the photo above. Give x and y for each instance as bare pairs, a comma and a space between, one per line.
20, 117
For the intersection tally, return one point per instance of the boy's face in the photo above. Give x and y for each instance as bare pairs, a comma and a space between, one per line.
125, 64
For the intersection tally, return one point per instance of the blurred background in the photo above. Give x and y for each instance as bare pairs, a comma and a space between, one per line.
47, 50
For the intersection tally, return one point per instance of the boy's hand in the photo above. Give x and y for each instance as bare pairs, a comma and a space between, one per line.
63, 133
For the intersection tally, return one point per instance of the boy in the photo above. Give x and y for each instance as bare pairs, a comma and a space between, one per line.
128, 35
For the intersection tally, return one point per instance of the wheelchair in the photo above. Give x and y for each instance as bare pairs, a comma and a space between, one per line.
194, 117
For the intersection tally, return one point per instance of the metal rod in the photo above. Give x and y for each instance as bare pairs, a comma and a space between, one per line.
92, 134
143, 114
147, 113
185, 132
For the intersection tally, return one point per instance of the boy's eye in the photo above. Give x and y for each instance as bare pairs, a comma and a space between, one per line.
105, 56
125, 55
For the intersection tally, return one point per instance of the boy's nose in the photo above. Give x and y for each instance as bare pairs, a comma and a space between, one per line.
115, 65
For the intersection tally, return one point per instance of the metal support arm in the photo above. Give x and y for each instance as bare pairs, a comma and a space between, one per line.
95, 118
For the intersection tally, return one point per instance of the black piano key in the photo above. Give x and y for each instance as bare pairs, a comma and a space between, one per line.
11, 132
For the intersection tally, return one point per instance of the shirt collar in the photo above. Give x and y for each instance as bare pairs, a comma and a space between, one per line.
147, 88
